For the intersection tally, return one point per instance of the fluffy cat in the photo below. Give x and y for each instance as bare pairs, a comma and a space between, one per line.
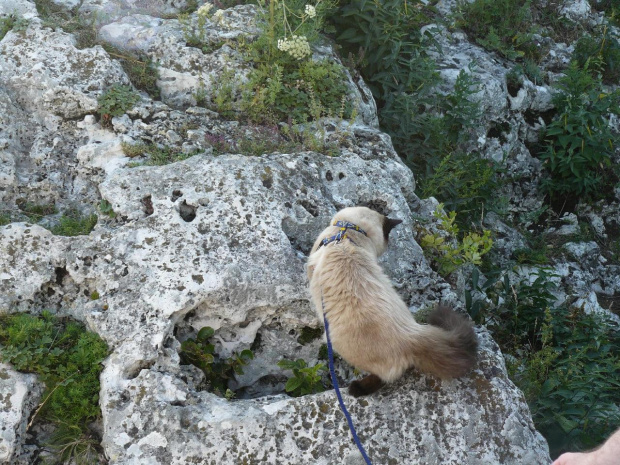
370, 325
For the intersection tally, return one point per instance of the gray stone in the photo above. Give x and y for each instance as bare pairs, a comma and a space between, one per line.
19, 395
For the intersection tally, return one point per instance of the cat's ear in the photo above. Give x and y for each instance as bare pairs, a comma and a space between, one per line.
388, 225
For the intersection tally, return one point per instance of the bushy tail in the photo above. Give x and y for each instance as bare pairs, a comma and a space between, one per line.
448, 346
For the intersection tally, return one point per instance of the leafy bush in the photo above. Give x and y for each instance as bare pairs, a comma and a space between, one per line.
564, 360
116, 101
600, 48
218, 371
449, 255
305, 380
579, 143
67, 359
430, 133
504, 26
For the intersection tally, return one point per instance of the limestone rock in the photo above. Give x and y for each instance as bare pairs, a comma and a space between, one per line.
19, 395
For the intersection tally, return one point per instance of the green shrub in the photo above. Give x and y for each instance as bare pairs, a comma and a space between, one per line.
218, 371
116, 101
305, 380
72, 223
564, 360
579, 142
449, 256
504, 26
600, 48
430, 133
67, 360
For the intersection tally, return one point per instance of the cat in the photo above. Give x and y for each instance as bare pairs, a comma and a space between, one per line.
370, 325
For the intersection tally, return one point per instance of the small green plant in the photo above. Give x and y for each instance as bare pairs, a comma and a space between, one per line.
105, 208
67, 359
72, 223
450, 255
116, 101
35, 212
12, 22
579, 142
218, 371
305, 380
141, 70
157, 155
5, 219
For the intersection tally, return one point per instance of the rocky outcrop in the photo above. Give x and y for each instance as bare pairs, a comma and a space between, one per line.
221, 241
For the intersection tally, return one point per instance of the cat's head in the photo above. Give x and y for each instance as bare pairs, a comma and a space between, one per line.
376, 225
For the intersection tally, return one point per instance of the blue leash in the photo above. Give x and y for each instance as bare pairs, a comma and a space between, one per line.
332, 372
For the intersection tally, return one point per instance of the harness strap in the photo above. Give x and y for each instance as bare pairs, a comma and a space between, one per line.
342, 234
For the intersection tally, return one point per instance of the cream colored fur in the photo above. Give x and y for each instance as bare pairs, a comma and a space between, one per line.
370, 325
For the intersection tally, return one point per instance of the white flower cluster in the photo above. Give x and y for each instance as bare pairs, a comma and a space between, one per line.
297, 46
204, 9
310, 11
218, 17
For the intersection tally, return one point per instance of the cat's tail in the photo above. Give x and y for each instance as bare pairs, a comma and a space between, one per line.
447, 347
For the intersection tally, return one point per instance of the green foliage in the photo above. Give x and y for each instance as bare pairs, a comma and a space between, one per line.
67, 359
35, 212
140, 69
218, 371
600, 48
59, 17
105, 208
305, 380
504, 26
564, 360
72, 223
430, 133
528, 69
289, 90
116, 101
12, 22
5, 219
579, 142
450, 255
157, 155
253, 140
286, 84
308, 334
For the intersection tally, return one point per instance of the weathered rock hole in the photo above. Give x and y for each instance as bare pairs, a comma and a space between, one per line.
187, 212
137, 367
299, 235
309, 207
60, 273
532, 117
341, 176
176, 194
267, 182
513, 87
329, 176
499, 131
147, 204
